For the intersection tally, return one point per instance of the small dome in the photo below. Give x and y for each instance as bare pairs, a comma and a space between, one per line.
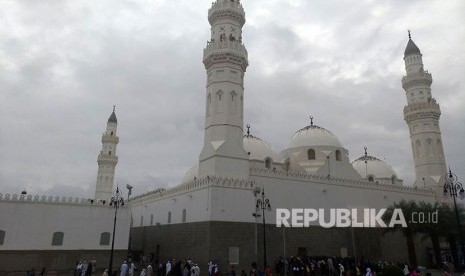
374, 167
411, 49
191, 174
259, 149
311, 136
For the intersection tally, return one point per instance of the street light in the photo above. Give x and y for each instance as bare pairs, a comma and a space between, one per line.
116, 201
263, 204
454, 188
129, 187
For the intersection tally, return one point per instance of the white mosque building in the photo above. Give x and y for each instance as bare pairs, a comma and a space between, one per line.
210, 214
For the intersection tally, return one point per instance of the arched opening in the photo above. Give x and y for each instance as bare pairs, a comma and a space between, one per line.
105, 238
268, 162
57, 239
393, 179
371, 178
338, 155
311, 154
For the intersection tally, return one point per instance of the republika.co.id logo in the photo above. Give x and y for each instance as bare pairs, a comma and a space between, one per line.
341, 217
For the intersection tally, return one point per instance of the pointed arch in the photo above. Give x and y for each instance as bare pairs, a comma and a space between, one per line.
233, 104
429, 147
218, 101
209, 104
418, 148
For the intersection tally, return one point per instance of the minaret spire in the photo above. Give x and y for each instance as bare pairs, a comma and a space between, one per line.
225, 60
422, 116
107, 160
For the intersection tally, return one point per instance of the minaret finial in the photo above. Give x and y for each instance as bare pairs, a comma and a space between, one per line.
248, 130
114, 106
311, 120
409, 36
365, 150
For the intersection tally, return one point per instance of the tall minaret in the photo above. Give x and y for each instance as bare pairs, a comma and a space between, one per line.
107, 160
422, 116
225, 60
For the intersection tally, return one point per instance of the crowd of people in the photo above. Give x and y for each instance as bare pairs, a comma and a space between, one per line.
291, 266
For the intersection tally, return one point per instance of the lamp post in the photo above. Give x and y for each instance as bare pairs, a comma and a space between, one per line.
454, 188
129, 187
263, 204
256, 215
116, 201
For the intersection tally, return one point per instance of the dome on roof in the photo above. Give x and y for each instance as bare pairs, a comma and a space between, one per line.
191, 174
311, 136
374, 167
259, 149
411, 49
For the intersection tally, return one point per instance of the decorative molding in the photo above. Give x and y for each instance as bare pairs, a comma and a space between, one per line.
290, 175
50, 199
196, 184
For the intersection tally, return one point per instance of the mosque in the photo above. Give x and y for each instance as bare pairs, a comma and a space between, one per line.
212, 214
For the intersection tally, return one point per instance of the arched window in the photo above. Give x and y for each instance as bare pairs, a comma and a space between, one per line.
393, 179
268, 163
371, 178
184, 215
151, 219
2, 237
169, 217
418, 148
141, 220
105, 238
111, 133
109, 152
311, 154
57, 239
338, 155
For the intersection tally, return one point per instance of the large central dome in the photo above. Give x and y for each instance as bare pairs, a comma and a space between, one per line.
311, 136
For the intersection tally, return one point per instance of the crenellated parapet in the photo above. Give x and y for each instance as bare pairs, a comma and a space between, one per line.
300, 176
50, 199
225, 51
196, 184
426, 110
421, 78
226, 9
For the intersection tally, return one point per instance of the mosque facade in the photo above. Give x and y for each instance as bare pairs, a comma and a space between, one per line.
212, 213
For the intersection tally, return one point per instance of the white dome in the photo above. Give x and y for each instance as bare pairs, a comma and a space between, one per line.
259, 149
191, 174
374, 167
312, 136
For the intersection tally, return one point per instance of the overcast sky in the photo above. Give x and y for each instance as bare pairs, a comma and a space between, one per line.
64, 64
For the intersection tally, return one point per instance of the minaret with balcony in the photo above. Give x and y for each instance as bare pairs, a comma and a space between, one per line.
225, 60
422, 116
107, 160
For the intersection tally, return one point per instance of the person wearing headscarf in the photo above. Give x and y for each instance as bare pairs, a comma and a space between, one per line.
369, 272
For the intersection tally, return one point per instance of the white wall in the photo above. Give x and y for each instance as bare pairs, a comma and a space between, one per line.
30, 225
